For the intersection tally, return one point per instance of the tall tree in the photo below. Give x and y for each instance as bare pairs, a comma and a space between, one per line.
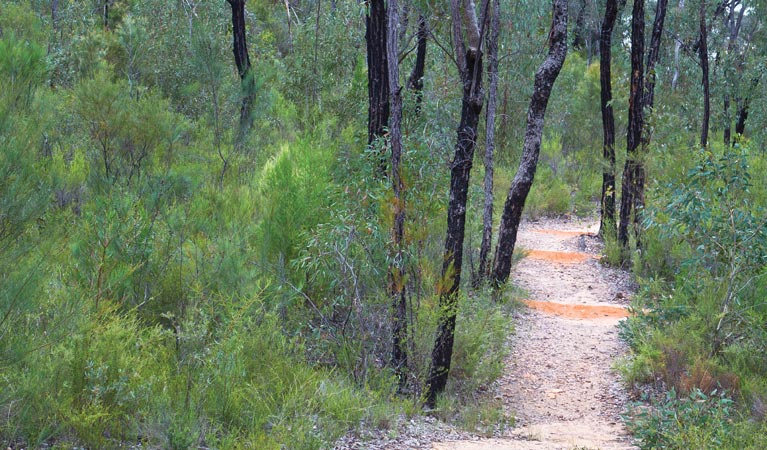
469, 59
378, 73
492, 75
703, 53
634, 133
244, 68
607, 216
545, 77
396, 267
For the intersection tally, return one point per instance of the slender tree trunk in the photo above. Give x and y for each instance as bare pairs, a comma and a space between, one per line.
470, 68
242, 60
492, 74
703, 52
740, 117
734, 23
378, 77
545, 77
415, 82
677, 50
396, 267
579, 40
634, 135
607, 220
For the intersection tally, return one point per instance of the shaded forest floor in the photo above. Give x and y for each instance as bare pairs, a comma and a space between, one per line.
558, 384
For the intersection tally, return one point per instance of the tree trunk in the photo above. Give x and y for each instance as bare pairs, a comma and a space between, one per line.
415, 82
396, 267
634, 136
242, 60
492, 74
677, 50
607, 220
740, 118
703, 52
470, 68
579, 40
378, 77
515, 201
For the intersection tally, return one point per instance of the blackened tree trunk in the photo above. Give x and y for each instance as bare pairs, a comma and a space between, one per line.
740, 117
470, 68
242, 60
632, 168
607, 217
515, 201
396, 267
492, 75
703, 53
415, 82
378, 76
653, 54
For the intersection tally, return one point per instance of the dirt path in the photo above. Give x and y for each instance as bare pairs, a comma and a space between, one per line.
558, 383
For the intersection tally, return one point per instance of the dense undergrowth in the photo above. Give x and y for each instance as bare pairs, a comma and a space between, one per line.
700, 329
161, 287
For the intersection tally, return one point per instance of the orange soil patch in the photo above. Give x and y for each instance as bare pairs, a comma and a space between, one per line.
564, 233
578, 311
560, 257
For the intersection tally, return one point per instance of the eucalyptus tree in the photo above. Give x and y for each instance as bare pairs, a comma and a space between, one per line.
468, 56
396, 267
545, 77
244, 68
607, 214
641, 97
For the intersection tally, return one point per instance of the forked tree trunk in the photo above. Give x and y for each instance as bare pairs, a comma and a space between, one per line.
396, 267
378, 77
470, 68
633, 168
415, 82
607, 217
515, 201
653, 55
492, 74
703, 53
242, 60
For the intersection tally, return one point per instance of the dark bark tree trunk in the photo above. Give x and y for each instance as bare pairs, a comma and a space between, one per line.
634, 135
740, 117
378, 77
545, 77
415, 82
703, 53
470, 68
396, 267
653, 54
492, 75
242, 60
607, 217
579, 33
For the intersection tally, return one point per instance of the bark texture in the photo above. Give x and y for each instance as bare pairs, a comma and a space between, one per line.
607, 216
378, 76
515, 201
633, 168
492, 75
396, 267
470, 68
242, 60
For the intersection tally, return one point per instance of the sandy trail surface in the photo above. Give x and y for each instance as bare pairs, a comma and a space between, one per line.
558, 384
